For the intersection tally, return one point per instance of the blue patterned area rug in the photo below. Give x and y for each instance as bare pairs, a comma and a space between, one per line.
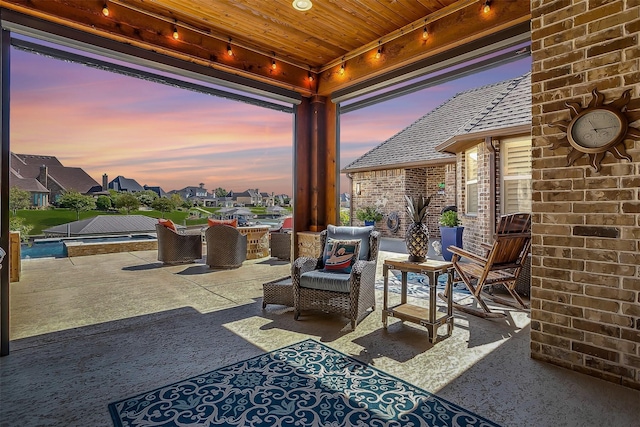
418, 285
305, 384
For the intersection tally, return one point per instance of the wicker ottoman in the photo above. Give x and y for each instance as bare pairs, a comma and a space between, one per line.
278, 291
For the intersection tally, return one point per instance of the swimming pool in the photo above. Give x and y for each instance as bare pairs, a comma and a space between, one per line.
59, 247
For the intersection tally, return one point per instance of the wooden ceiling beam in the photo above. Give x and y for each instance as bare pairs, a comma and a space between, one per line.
444, 33
455, 22
154, 34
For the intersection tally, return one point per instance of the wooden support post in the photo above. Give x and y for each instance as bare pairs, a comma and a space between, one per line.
15, 266
315, 166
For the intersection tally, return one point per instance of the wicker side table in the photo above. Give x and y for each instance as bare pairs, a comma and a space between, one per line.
279, 291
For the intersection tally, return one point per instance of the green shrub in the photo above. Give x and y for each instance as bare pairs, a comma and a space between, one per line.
449, 219
368, 213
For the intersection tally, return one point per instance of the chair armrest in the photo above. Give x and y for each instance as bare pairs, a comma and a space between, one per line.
302, 265
466, 254
362, 273
360, 266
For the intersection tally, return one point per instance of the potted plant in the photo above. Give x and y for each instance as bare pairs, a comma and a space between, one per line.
369, 215
450, 232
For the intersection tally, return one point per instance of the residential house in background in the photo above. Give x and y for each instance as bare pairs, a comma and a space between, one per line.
345, 200
248, 197
191, 193
477, 145
47, 179
159, 191
125, 185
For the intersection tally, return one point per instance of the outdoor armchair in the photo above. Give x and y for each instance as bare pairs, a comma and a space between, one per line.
502, 265
176, 248
349, 294
226, 247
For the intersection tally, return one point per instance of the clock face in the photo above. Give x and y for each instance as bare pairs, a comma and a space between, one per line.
596, 130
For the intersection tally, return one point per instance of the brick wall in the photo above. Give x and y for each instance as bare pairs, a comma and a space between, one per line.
585, 268
477, 227
386, 190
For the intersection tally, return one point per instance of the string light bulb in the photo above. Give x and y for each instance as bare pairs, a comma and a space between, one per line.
379, 52
229, 50
310, 77
342, 69
273, 64
487, 6
176, 36
105, 10
425, 34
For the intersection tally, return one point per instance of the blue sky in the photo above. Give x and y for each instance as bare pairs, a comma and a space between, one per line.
161, 135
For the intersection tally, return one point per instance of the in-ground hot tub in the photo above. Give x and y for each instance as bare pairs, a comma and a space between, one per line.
82, 246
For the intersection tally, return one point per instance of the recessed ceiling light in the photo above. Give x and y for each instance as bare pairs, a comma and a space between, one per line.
302, 5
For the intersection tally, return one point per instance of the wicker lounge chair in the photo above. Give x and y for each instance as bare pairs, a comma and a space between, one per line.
349, 294
280, 243
280, 240
226, 247
176, 248
502, 265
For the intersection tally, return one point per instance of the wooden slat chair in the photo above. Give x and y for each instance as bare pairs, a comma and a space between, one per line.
501, 265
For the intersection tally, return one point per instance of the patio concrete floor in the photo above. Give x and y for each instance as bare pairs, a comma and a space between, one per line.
91, 330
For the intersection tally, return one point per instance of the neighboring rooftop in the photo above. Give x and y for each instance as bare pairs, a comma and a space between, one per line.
120, 183
503, 104
105, 224
29, 166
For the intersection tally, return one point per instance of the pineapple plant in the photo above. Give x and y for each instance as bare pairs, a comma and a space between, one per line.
417, 235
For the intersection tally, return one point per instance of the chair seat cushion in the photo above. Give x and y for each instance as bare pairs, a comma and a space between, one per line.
323, 280
349, 233
213, 222
168, 223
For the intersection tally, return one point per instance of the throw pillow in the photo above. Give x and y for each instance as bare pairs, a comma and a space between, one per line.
340, 255
168, 223
349, 233
232, 222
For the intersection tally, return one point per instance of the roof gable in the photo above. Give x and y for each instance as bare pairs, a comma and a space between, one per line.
463, 113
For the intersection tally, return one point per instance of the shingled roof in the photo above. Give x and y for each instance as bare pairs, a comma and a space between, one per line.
498, 105
105, 224
68, 178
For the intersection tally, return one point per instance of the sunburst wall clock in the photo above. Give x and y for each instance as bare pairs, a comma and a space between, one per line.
596, 129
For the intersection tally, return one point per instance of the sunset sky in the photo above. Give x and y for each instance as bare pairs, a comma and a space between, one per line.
160, 135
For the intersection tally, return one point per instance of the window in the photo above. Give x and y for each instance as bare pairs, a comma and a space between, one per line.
471, 179
516, 175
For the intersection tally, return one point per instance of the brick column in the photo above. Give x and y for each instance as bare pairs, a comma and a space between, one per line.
586, 280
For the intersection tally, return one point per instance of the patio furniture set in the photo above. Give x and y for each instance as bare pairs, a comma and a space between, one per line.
342, 279
227, 246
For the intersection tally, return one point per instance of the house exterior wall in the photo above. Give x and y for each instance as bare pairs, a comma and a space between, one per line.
386, 190
478, 227
585, 307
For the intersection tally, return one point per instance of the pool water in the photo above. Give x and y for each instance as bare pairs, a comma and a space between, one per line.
43, 250
55, 248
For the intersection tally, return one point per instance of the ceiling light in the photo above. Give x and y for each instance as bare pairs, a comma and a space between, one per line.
487, 6
175, 33
229, 50
310, 77
379, 52
342, 69
425, 34
105, 10
302, 5
273, 64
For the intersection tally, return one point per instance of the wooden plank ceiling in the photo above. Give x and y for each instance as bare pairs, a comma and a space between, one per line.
315, 43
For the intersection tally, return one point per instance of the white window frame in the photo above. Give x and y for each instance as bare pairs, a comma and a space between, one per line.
506, 145
471, 155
